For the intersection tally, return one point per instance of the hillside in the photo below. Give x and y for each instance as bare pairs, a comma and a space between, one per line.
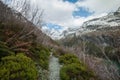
98, 44
26, 53
23, 47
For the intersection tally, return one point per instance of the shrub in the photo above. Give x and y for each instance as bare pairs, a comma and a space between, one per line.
93, 49
41, 55
4, 50
73, 69
68, 59
44, 59
60, 51
17, 67
112, 53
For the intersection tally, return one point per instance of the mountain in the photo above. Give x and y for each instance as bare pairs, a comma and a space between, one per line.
99, 39
102, 32
108, 21
103, 29
112, 19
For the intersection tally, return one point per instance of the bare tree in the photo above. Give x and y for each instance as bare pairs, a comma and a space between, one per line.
33, 15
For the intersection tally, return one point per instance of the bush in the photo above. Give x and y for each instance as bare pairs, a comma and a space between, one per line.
17, 67
68, 59
44, 59
112, 53
60, 51
73, 69
4, 50
41, 55
93, 49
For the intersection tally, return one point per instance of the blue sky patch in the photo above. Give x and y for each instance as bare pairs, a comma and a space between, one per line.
52, 26
82, 12
7, 1
72, 1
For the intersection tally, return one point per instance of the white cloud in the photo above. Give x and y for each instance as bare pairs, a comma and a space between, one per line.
60, 12
57, 11
100, 6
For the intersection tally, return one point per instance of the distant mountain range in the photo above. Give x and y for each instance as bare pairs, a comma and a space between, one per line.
108, 21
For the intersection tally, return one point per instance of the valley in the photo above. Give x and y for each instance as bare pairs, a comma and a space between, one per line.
88, 52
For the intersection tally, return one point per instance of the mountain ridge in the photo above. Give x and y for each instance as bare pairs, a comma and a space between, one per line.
110, 20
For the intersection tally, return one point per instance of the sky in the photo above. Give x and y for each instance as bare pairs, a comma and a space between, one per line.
62, 14
72, 13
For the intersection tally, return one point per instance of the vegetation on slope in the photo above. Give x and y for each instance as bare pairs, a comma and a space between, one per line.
106, 52
17, 67
41, 55
74, 69
22, 53
97, 49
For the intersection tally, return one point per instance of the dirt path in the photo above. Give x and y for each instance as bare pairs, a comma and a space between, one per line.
54, 68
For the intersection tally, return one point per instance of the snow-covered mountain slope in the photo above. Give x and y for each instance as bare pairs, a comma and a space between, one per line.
53, 32
112, 19
108, 21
